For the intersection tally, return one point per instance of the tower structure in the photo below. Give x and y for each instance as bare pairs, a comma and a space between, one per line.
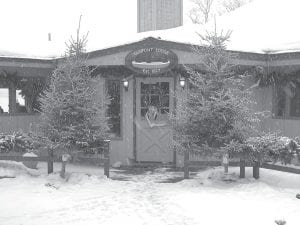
159, 14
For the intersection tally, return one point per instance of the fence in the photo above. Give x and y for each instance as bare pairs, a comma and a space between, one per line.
51, 158
194, 161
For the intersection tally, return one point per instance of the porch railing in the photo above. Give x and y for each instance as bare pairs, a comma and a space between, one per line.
102, 158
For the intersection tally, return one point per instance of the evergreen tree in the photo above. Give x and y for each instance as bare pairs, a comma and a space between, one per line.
72, 113
215, 109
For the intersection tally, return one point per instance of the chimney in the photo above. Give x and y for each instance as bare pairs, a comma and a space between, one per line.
159, 14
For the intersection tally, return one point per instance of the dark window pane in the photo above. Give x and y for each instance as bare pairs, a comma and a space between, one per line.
164, 111
297, 90
295, 102
144, 100
145, 88
280, 102
155, 89
295, 107
165, 101
154, 100
143, 111
114, 106
287, 100
165, 88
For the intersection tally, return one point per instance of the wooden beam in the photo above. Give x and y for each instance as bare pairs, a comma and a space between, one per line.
242, 168
256, 170
281, 168
186, 164
12, 98
106, 158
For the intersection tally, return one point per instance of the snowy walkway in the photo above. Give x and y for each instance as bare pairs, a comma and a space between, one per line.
144, 199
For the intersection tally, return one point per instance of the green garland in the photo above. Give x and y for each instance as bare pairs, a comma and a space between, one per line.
30, 87
276, 78
6, 78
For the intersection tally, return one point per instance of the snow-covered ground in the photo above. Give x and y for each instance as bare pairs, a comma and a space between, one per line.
146, 197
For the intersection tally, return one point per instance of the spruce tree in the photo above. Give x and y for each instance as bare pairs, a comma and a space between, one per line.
215, 109
73, 115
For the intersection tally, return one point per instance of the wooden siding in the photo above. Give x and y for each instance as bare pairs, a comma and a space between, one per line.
286, 127
159, 14
12, 123
289, 127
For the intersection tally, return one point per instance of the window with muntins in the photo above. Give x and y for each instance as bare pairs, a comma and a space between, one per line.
158, 95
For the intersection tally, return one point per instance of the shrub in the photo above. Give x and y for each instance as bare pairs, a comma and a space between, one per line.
17, 142
267, 147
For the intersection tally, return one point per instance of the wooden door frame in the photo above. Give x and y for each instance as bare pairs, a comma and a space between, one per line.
174, 76
134, 119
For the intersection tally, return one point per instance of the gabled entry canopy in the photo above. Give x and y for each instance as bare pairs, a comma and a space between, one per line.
117, 55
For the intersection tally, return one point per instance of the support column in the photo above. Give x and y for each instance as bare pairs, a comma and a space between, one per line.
12, 98
256, 170
186, 164
242, 168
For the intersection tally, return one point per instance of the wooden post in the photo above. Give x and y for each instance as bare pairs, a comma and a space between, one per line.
106, 157
63, 169
256, 170
225, 162
50, 161
186, 164
12, 98
64, 160
174, 157
242, 168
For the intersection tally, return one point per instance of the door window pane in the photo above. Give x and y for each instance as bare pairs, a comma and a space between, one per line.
165, 110
165, 88
165, 101
154, 100
144, 100
155, 95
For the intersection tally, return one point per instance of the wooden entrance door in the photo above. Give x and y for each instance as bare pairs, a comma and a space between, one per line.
154, 102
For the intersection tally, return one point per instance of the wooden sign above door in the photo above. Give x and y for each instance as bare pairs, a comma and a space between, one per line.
151, 61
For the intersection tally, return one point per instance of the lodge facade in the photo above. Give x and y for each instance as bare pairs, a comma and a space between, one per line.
142, 74
142, 79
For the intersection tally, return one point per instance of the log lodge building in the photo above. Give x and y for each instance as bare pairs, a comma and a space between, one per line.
145, 73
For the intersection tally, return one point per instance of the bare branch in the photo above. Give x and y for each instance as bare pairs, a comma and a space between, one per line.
204, 10
230, 5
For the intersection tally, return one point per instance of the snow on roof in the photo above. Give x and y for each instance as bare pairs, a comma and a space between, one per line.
25, 24
261, 26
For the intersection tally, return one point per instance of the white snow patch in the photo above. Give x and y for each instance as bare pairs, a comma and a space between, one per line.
206, 199
14, 169
117, 164
30, 154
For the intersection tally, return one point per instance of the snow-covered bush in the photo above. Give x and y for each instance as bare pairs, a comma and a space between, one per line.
280, 222
267, 147
17, 142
